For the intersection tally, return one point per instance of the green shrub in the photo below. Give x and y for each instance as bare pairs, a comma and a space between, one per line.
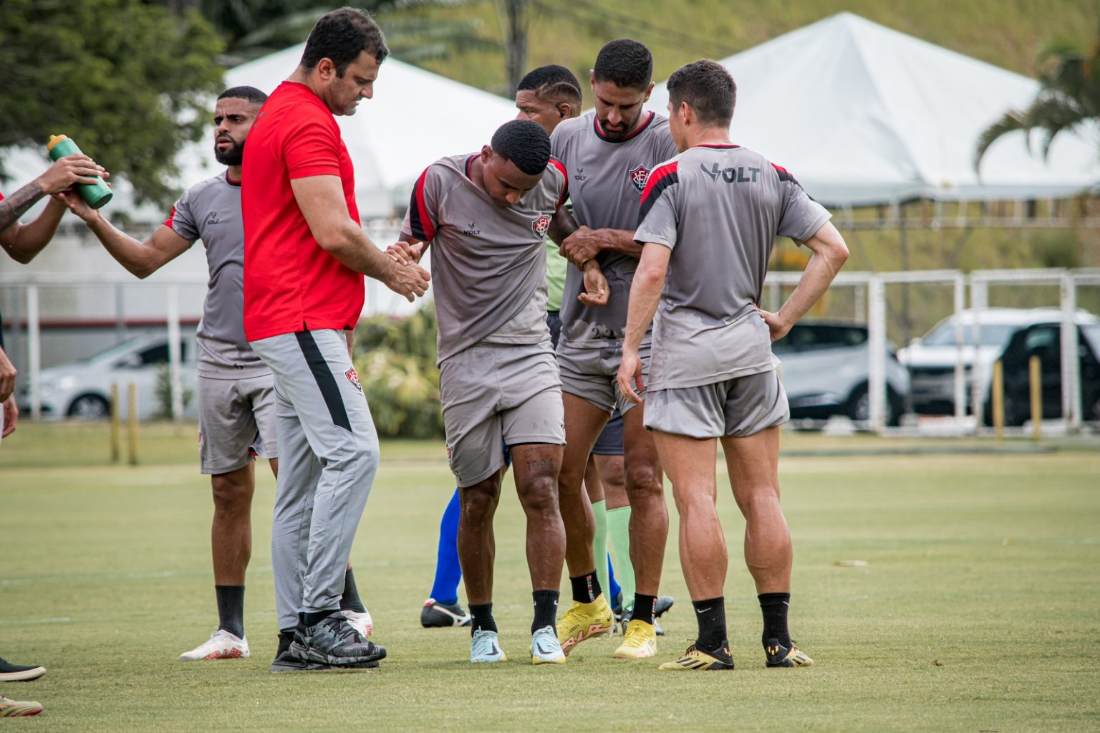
396, 366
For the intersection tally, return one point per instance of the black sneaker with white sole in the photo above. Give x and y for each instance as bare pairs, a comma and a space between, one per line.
333, 641
436, 615
18, 673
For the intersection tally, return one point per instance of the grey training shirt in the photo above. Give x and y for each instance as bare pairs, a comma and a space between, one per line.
211, 211
719, 209
488, 261
606, 179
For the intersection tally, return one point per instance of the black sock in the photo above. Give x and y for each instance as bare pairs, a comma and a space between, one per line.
645, 608
711, 615
313, 618
483, 618
286, 636
350, 600
774, 606
546, 609
231, 608
586, 588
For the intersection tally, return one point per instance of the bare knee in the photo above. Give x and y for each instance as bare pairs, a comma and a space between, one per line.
643, 480
479, 503
540, 494
232, 492
759, 502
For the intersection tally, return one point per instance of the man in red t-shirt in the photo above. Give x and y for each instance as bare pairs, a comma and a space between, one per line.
304, 260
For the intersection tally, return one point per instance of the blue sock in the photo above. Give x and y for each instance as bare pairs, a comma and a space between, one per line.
615, 589
448, 572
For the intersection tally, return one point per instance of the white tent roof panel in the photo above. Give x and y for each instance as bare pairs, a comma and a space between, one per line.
863, 114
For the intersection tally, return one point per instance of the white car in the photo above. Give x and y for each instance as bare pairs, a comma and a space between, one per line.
931, 359
825, 367
82, 389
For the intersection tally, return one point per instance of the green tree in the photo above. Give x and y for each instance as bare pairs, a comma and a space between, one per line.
396, 366
1069, 96
130, 83
254, 28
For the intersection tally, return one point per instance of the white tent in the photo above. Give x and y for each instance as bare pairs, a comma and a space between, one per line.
415, 118
862, 114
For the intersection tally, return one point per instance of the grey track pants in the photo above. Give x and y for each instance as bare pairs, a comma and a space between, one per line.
328, 457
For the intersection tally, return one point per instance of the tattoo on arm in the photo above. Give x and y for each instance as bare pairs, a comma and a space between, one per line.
14, 207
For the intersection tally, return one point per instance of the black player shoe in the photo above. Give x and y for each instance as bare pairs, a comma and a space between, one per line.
334, 642
664, 603
435, 615
17, 673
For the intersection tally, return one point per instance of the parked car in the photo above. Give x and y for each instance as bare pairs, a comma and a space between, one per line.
825, 372
1044, 340
931, 359
82, 389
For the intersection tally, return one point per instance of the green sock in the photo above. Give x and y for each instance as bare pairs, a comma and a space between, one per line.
599, 546
618, 522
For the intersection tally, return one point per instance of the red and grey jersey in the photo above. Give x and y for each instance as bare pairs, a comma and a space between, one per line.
488, 261
719, 209
606, 179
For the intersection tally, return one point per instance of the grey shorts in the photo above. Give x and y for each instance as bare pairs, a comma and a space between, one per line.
737, 407
589, 373
236, 419
498, 392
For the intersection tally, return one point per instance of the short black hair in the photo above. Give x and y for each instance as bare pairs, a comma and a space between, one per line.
626, 63
707, 88
553, 83
250, 94
524, 143
341, 36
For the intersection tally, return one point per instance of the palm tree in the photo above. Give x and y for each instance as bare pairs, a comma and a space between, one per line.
1069, 96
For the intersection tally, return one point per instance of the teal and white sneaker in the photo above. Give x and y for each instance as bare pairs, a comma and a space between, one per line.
545, 648
484, 648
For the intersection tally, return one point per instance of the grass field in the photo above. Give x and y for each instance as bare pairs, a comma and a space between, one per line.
978, 610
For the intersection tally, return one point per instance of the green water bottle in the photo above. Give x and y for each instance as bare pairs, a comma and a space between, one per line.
96, 195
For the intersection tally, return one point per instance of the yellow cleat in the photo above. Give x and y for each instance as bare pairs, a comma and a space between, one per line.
696, 660
781, 656
585, 621
640, 641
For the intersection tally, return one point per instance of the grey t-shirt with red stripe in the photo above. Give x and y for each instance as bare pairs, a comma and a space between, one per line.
488, 261
719, 209
211, 211
606, 179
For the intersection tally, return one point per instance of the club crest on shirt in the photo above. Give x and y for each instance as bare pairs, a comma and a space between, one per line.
541, 226
353, 378
638, 177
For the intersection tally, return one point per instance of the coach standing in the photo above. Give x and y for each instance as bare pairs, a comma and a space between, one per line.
305, 257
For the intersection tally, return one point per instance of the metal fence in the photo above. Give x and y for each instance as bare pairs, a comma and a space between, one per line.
46, 316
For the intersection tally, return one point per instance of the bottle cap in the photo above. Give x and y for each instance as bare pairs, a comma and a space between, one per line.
55, 139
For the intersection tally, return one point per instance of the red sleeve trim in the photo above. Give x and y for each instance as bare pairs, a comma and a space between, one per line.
784, 174
420, 220
565, 184
656, 177
167, 223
